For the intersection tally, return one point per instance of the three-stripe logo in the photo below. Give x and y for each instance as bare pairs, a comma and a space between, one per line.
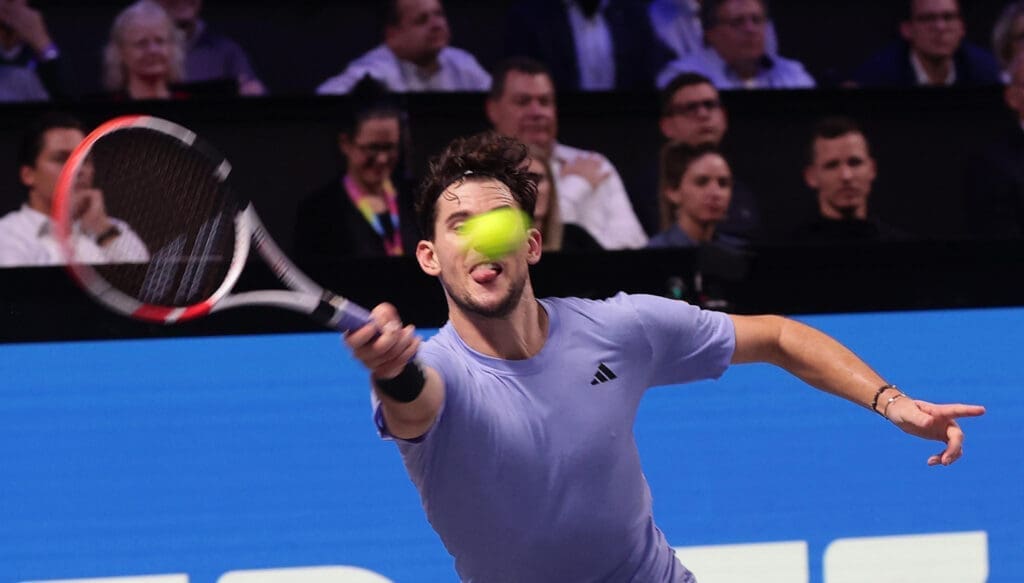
603, 374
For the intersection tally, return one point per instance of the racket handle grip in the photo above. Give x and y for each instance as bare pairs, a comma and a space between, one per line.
351, 317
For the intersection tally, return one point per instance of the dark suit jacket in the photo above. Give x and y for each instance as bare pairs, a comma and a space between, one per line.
329, 227
891, 67
540, 29
994, 193
822, 230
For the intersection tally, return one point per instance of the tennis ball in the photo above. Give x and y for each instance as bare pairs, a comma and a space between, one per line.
496, 233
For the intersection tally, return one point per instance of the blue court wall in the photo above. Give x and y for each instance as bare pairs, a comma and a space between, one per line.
207, 455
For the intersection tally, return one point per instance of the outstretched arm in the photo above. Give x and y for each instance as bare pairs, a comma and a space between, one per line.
822, 362
409, 404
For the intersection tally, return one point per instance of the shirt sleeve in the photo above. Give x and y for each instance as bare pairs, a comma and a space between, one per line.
687, 343
605, 211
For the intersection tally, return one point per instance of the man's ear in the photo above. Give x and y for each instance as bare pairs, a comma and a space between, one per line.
535, 242
906, 31
27, 174
811, 177
427, 258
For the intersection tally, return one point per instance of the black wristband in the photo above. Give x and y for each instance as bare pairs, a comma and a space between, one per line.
405, 387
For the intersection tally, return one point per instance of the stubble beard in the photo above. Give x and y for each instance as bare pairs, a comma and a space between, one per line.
466, 303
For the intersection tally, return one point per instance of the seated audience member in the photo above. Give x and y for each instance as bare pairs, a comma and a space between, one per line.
692, 113
29, 59
736, 54
995, 178
697, 185
677, 25
362, 213
415, 55
589, 45
842, 172
26, 235
932, 52
1008, 36
211, 57
555, 235
145, 55
521, 104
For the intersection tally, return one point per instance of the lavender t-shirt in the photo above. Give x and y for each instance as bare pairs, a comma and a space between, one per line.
531, 471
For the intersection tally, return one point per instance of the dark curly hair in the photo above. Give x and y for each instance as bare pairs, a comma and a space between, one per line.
482, 156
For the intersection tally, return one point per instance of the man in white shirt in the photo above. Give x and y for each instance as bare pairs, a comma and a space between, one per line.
415, 55
521, 104
26, 235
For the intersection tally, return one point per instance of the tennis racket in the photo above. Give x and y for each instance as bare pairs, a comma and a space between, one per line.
167, 190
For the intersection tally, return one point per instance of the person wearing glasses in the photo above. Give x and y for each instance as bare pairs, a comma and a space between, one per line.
362, 213
692, 113
932, 52
735, 55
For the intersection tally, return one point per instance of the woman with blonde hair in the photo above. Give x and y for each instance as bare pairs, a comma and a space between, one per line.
555, 235
145, 55
1008, 35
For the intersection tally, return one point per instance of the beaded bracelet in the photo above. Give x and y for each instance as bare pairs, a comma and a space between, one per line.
878, 393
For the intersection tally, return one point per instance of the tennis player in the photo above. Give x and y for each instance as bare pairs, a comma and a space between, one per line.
517, 429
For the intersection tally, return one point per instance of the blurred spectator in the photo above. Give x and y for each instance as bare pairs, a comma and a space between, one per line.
26, 235
211, 57
692, 113
995, 178
932, 52
677, 24
587, 45
841, 170
415, 55
1008, 36
25, 44
362, 213
145, 55
555, 235
521, 104
696, 187
737, 55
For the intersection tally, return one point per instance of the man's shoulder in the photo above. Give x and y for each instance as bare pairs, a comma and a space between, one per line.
982, 66
564, 152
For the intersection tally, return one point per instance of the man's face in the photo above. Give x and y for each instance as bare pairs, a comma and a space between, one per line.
935, 28
422, 30
526, 110
695, 116
372, 152
41, 177
183, 12
475, 285
739, 31
842, 172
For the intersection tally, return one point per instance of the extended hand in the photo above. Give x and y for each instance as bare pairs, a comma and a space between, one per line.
936, 422
383, 345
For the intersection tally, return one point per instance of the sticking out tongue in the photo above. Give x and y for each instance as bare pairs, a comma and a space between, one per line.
485, 273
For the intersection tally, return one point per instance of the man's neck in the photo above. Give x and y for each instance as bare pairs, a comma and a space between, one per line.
518, 336
844, 214
38, 203
426, 63
937, 69
746, 69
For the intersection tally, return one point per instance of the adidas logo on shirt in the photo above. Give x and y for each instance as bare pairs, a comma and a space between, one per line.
603, 375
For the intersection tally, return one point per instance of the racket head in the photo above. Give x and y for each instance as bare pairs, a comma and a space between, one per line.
169, 188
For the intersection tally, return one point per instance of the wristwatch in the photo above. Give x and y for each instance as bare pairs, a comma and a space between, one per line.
106, 236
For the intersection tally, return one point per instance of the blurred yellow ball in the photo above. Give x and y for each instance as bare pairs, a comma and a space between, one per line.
496, 233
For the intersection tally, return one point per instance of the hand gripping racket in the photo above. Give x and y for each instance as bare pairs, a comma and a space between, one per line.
162, 183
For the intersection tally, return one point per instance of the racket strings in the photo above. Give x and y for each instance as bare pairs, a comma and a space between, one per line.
174, 198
